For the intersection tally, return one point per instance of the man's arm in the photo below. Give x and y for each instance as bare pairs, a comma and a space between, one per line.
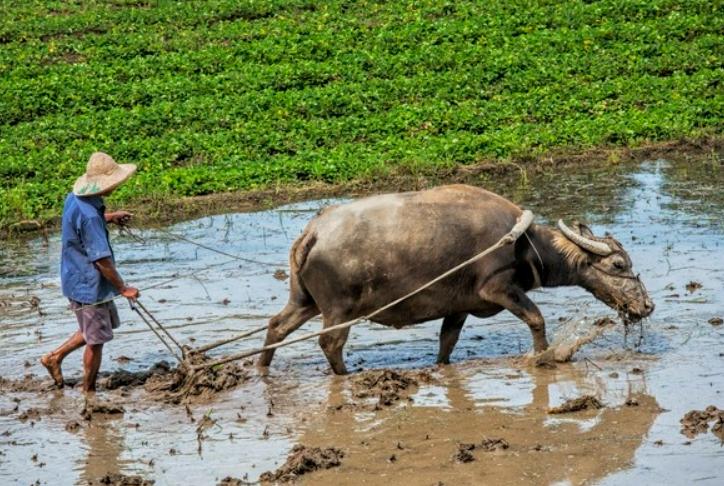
108, 270
118, 217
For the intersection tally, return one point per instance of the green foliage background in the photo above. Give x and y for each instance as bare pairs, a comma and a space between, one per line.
210, 96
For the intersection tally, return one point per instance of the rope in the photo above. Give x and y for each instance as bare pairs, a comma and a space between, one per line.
178, 277
525, 219
222, 342
212, 249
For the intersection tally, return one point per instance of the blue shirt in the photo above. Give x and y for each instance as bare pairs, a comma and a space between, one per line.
85, 240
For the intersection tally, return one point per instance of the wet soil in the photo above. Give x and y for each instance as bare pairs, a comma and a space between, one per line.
697, 422
391, 422
465, 450
303, 460
179, 385
117, 479
586, 402
388, 387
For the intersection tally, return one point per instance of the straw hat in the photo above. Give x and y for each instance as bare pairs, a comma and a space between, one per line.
101, 175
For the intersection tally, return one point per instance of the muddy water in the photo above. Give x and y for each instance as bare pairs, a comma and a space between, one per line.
667, 214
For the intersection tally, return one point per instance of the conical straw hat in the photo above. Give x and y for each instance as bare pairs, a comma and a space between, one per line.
102, 174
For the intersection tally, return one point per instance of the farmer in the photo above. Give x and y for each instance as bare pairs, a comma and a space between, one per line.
87, 267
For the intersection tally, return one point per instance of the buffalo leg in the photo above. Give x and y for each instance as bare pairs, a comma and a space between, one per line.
515, 300
449, 334
284, 323
332, 344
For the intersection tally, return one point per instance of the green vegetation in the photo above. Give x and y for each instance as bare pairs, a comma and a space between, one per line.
229, 95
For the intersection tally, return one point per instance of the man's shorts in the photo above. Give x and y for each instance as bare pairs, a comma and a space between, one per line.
96, 322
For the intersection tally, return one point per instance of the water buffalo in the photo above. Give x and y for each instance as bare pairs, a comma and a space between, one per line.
354, 258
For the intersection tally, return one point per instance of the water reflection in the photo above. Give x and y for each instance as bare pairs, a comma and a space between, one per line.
576, 449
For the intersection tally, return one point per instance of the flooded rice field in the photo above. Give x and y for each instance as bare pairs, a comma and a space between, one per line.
396, 419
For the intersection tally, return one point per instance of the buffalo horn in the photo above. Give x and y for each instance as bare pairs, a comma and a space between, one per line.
597, 247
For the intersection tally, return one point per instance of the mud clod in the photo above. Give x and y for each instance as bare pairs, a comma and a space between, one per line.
229, 481
388, 386
33, 414
93, 407
303, 460
464, 453
488, 444
693, 286
117, 479
577, 404
177, 385
123, 378
696, 422
72, 426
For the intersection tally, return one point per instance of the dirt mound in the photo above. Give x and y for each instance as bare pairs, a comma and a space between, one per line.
697, 422
122, 378
117, 479
576, 404
178, 385
229, 481
388, 386
28, 383
303, 460
465, 450
93, 407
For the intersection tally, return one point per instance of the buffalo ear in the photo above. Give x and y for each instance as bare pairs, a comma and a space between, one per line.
584, 230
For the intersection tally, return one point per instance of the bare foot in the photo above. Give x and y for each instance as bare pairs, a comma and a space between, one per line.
53, 368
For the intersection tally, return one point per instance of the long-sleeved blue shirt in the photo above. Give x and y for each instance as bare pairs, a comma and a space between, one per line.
85, 240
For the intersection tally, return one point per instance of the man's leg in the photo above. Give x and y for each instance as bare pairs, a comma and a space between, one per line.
53, 360
91, 364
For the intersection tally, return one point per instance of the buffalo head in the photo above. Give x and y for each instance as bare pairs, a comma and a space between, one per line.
605, 270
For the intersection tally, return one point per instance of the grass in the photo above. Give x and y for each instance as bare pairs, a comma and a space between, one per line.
216, 96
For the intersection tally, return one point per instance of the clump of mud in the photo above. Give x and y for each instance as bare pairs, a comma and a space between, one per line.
122, 378
28, 383
388, 386
32, 414
229, 481
178, 385
697, 422
465, 450
106, 381
303, 460
117, 479
92, 407
577, 404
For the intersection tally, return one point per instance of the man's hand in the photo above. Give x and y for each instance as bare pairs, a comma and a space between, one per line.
108, 270
130, 293
121, 218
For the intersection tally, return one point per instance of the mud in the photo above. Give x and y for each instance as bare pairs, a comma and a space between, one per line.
668, 216
32, 414
586, 402
464, 452
117, 479
93, 407
123, 378
178, 385
28, 383
303, 460
388, 387
696, 422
